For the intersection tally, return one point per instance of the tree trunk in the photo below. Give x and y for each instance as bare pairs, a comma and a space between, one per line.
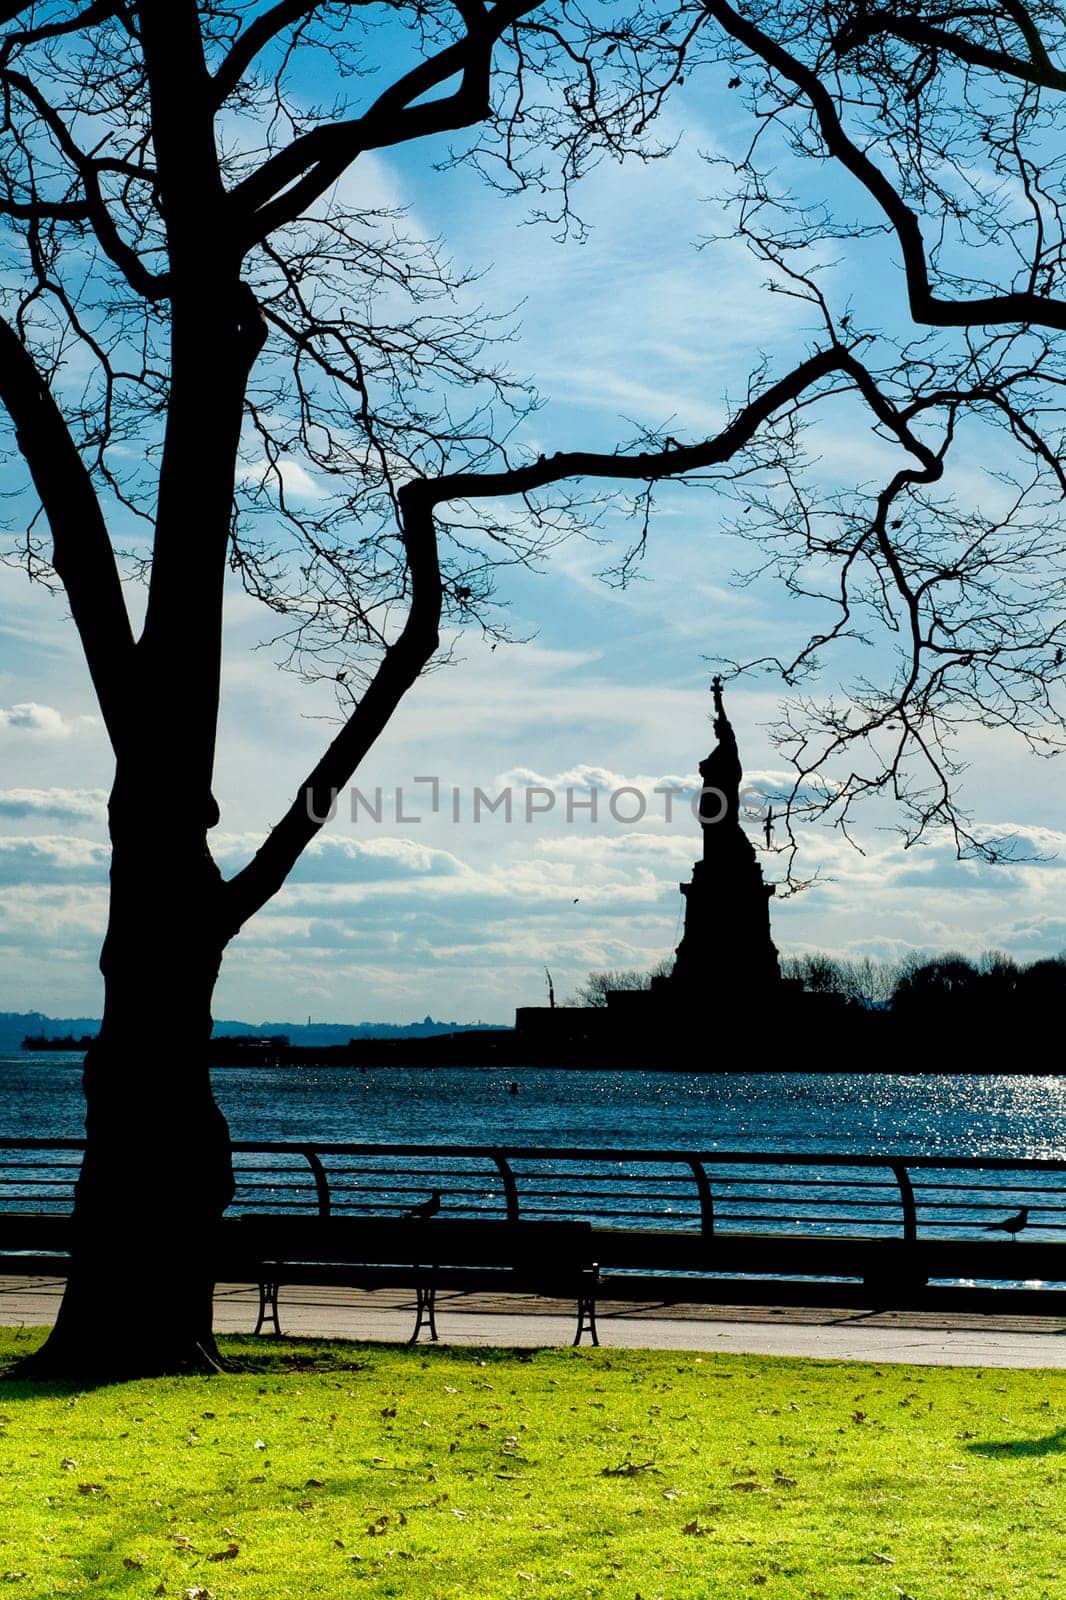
157, 1174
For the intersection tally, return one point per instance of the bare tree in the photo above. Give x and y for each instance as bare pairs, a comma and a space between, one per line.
190, 305
598, 985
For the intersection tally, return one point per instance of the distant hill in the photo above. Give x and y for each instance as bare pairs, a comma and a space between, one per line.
17, 1025
324, 1033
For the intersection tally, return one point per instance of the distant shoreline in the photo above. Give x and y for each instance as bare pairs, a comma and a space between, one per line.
889, 1052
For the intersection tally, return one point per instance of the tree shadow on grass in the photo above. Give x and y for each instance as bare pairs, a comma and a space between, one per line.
1049, 1445
251, 1355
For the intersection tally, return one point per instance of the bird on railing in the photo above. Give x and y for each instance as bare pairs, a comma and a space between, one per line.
1012, 1224
425, 1208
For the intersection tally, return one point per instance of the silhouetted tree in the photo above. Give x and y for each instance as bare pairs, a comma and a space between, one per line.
863, 980
191, 309
999, 975
597, 986
818, 973
1041, 988
948, 981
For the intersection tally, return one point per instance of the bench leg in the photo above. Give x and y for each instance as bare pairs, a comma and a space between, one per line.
586, 1307
425, 1311
268, 1305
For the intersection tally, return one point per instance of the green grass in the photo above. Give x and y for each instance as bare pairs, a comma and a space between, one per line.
337, 1469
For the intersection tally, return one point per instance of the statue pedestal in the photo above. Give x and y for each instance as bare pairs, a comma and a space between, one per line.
727, 948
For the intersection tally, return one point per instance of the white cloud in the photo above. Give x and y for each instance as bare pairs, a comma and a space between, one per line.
43, 859
295, 480
332, 860
46, 721
71, 805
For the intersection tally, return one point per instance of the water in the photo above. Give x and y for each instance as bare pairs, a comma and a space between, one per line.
831, 1115
40, 1097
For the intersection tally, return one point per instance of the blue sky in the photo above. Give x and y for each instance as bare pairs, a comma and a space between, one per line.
390, 920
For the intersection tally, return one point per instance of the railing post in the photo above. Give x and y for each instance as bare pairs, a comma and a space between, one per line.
906, 1197
318, 1172
703, 1186
510, 1188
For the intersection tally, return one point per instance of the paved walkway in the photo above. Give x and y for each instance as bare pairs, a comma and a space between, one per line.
924, 1338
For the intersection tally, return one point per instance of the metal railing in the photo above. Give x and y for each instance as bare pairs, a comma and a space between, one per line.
814, 1194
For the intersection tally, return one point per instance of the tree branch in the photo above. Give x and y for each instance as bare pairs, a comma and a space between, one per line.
254, 38
1016, 306
103, 224
96, 11
82, 552
293, 179
400, 666
47, 210
1038, 70
652, 465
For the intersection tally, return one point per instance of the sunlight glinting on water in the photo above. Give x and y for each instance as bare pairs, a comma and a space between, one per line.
911, 1115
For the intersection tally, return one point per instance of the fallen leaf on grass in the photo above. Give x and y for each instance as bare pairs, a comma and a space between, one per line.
748, 1486
696, 1529
131, 1564
68, 1463
230, 1553
90, 1488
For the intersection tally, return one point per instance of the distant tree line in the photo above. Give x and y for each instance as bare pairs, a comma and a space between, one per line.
914, 985
993, 982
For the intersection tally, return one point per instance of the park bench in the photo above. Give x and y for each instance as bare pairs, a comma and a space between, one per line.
484, 1255
638, 1226
34, 1244
645, 1265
